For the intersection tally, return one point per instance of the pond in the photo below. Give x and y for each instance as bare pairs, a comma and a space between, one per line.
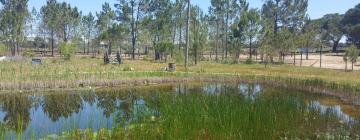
181, 111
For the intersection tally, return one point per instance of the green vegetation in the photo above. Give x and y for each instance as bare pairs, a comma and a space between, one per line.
67, 50
200, 116
231, 42
351, 54
163, 49
3, 49
179, 111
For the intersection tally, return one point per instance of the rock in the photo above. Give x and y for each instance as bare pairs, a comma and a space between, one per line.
172, 67
114, 60
36, 61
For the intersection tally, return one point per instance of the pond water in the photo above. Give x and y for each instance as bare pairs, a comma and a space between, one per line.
181, 111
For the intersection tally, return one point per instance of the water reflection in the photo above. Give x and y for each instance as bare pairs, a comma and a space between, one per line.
250, 91
57, 112
57, 105
336, 110
16, 111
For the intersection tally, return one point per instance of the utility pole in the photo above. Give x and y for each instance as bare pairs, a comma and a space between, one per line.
187, 36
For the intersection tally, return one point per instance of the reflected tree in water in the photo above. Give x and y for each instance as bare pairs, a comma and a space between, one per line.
17, 109
89, 98
61, 105
108, 102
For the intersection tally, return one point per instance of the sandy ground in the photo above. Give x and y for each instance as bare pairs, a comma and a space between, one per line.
330, 61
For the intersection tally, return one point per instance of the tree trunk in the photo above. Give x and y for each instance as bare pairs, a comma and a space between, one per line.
250, 45
226, 33
217, 42
223, 49
307, 50
132, 31
17, 47
65, 34
321, 56
84, 47
52, 42
238, 53
109, 48
196, 56
157, 55
13, 50
283, 57
335, 46
307, 54
88, 46
187, 35
174, 35
346, 64
294, 58
134, 27
301, 59
180, 31
256, 55
352, 66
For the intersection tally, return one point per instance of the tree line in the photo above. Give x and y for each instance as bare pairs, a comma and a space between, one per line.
166, 29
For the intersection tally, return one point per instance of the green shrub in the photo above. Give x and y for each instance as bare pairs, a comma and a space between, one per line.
54, 61
179, 57
249, 61
3, 49
67, 50
163, 49
29, 53
227, 61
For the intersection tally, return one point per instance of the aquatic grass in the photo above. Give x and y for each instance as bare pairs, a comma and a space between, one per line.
227, 115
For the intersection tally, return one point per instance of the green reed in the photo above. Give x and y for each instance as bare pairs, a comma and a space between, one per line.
222, 116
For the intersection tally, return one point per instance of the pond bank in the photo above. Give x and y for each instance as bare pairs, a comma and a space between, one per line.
346, 91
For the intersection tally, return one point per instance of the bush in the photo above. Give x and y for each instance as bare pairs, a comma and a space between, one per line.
163, 49
227, 61
249, 61
29, 53
179, 57
67, 50
54, 61
2, 49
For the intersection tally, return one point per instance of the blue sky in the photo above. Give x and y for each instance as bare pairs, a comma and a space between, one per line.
317, 8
